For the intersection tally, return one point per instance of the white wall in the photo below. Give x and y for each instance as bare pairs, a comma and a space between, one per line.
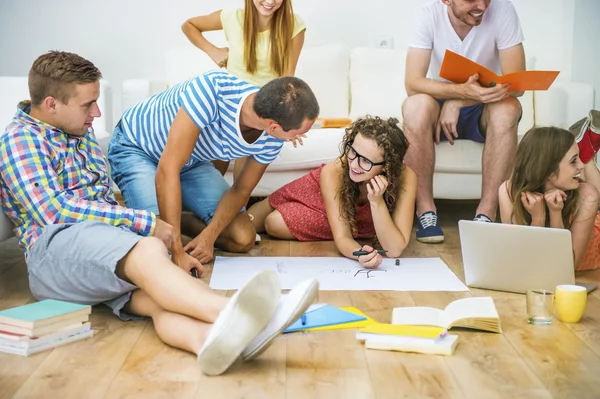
128, 38
586, 49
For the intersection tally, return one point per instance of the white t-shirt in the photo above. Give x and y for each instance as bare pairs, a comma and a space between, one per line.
500, 29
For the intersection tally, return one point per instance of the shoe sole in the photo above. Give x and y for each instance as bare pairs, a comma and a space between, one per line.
595, 120
431, 240
255, 305
310, 294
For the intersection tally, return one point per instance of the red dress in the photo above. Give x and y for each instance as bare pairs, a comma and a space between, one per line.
303, 210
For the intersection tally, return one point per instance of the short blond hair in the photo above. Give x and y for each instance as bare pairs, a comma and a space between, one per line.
55, 74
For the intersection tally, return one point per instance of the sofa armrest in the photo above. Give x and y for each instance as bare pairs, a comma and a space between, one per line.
563, 104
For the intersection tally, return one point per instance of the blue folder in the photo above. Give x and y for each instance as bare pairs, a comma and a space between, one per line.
324, 316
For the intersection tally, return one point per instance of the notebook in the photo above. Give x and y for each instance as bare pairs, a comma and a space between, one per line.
476, 313
324, 316
441, 346
352, 324
42, 313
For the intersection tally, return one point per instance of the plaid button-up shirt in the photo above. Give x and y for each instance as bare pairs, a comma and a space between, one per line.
49, 177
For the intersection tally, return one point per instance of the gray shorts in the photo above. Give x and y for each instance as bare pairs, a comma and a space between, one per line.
76, 262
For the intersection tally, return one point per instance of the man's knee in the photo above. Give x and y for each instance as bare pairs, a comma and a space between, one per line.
135, 266
242, 238
508, 109
419, 110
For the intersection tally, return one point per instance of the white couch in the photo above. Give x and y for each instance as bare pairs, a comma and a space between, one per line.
355, 82
15, 89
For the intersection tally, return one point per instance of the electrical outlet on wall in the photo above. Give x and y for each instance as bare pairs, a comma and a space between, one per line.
384, 42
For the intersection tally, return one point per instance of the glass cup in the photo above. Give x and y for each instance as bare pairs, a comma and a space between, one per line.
540, 306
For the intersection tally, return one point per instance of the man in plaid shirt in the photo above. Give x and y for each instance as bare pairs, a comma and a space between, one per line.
81, 246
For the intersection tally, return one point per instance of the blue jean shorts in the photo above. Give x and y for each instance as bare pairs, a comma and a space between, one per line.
468, 123
133, 171
76, 262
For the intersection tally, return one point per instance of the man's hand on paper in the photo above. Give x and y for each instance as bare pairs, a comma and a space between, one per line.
485, 95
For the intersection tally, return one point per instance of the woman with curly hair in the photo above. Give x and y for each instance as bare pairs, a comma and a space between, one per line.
366, 192
550, 186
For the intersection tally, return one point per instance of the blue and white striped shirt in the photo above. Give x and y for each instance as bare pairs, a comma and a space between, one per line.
214, 102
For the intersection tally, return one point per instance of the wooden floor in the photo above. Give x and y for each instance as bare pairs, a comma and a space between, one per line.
128, 360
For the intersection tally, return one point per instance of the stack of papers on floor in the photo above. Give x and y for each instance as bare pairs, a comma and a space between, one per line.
428, 340
43, 325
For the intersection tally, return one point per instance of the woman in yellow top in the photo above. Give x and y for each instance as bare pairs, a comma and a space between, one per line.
265, 40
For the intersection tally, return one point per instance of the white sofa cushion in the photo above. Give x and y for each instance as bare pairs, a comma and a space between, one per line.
377, 82
320, 146
13, 90
325, 69
186, 62
563, 104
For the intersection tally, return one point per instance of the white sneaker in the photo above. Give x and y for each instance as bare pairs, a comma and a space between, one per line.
245, 316
288, 311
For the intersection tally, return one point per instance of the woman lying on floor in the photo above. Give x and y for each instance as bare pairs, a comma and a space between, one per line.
552, 187
367, 192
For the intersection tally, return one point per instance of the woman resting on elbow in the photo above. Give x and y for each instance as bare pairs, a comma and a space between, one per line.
366, 192
550, 186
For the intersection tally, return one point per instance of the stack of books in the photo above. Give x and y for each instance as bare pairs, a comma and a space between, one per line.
43, 325
416, 339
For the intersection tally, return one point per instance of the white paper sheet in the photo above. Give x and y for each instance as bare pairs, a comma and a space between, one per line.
413, 274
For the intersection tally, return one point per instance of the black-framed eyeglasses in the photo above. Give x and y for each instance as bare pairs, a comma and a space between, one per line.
365, 163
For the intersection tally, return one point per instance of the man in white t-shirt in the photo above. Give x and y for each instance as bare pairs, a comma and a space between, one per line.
489, 33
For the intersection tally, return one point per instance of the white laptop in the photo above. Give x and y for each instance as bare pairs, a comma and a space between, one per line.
515, 258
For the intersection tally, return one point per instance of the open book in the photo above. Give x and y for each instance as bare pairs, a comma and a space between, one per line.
477, 313
458, 69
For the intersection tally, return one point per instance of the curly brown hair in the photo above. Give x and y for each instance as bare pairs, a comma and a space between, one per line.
389, 137
56, 73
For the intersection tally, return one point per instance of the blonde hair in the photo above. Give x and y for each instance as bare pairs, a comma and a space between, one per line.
55, 74
282, 27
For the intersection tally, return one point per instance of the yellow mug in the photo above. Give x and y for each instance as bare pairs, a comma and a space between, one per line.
570, 301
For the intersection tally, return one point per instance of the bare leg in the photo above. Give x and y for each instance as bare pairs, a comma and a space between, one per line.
499, 123
259, 212
238, 237
148, 266
590, 174
420, 113
191, 225
275, 226
174, 329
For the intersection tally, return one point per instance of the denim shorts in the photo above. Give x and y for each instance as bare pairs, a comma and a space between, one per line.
134, 171
76, 262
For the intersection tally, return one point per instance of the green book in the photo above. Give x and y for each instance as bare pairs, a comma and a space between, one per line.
42, 313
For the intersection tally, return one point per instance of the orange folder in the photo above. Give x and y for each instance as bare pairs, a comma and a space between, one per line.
458, 69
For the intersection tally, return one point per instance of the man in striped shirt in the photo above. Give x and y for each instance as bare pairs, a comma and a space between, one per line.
161, 153
82, 247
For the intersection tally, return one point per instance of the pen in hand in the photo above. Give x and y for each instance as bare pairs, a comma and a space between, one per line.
361, 252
